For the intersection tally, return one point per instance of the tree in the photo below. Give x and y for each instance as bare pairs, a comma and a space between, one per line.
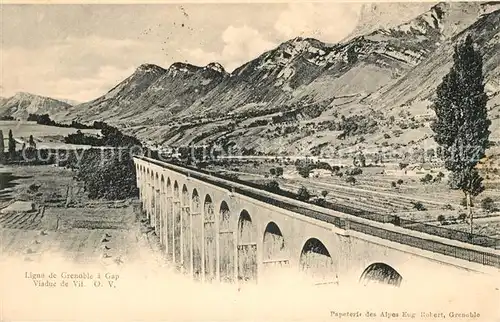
2, 148
32, 142
272, 171
279, 171
304, 171
12, 145
324, 193
462, 124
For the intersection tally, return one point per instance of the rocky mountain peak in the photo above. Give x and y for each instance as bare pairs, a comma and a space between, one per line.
441, 21
151, 69
216, 67
184, 68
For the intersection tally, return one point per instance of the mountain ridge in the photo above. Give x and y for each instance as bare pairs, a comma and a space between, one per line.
385, 72
21, 104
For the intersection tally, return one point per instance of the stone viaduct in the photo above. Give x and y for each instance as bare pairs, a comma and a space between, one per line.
221, 231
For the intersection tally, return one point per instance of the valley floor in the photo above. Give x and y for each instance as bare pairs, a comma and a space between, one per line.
373, 192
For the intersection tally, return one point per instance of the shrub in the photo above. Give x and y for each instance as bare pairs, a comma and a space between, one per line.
354, 172
279, 171
393, 184
426, 179
403, 165
488, 204
447, 207
461, 216
400, 181
463, 203
303, 194
351, 180
272, 186
324, 193
33, 187
272, 171
440, 218
419, 206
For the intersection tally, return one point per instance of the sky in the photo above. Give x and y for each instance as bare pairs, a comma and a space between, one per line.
80, 51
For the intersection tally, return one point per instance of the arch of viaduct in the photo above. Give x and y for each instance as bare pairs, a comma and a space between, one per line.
216, 234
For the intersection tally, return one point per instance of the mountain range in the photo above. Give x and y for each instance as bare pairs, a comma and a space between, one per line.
293, 98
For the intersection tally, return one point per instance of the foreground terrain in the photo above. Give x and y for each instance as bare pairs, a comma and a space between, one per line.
64, 223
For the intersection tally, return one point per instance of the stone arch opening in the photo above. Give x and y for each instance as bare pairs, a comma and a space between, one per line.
275, 254
197, 236
163, 202
169, 221
151, 201
247, 249
381, 273
209, 231
177, 225
226, 245
186, 229
316, 262
157, 201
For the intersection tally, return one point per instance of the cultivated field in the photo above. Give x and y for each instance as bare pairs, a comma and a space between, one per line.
374, 191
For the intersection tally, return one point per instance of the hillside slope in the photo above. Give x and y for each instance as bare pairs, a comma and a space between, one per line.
22, 104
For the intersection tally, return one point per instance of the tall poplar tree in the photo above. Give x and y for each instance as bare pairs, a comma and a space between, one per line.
12, 145
462, 124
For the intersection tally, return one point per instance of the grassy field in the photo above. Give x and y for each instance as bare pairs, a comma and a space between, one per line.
44, 135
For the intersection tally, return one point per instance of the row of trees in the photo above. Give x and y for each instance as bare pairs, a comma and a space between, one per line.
27, 150
110, 136
44, 119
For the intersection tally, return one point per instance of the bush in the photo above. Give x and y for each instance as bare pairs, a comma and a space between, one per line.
488, 204
33, 187
440, 218
273, 186
400, 181
279, 171
403, 165
393, 184
351, 180
324, 193
463, 203
354, 172
426, 179
447, 207
303, 194
419, 206
462, 216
